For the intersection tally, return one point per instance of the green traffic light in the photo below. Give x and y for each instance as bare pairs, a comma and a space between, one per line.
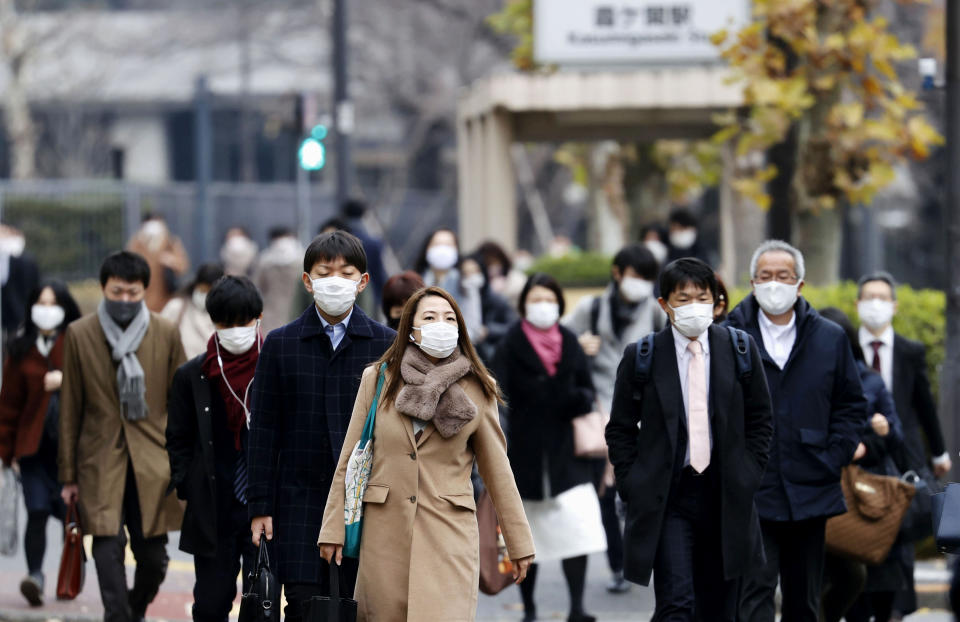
319, 132
312, 154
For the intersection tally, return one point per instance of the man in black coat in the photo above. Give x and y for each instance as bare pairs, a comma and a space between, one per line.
206, 441
689, 441
302, 398
818, 412
902, 363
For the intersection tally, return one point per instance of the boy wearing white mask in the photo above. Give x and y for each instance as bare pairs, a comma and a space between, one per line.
689, 438
208, 409
605, 325
819, 409
301, 401
902, 364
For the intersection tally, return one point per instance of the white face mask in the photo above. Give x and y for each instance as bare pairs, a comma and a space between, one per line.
442, 256
199, 299
776, 298
543, 315
154, 229
692, 319
438, 339
659, 250
335, 294
474, 281
238, 339
875, 314
47, 317
635, 290
683, 239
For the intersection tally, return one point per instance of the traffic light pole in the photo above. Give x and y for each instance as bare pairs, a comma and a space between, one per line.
202, 140
342, 108
950, 378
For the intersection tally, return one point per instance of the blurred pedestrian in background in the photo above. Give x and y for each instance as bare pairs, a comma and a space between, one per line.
654, 237
502, 273
605, 325
207, 442
819, 412
902, 364
437, 415
487, 313
545, 378
165, 255
353, 213
396, 292
689, 437
19, 276
277, 276
438, 261
238, 252
188, 311
118, 364
880, 440
721, 306
29, 419
684, 236
302, 396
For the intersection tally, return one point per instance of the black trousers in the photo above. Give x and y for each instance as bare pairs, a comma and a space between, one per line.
795, 554
119, 604
297, 594
216, 584
843, 581
688, 580
611, 525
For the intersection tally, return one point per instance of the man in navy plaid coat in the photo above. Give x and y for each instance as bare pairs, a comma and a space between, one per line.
302, 398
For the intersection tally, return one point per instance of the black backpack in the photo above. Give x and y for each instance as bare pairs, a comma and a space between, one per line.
644, 359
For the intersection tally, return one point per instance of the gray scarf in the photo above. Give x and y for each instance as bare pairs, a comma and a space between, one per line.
123, 345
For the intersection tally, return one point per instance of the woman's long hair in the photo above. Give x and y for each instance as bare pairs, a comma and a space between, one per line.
393, 357
27, 335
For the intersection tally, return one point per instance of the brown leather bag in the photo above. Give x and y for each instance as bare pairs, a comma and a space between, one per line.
876, 505
492, 581
72, 566
589, 440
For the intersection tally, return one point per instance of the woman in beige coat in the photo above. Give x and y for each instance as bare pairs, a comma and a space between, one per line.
419, 554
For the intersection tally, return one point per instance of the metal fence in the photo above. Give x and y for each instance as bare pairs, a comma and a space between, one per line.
70, 226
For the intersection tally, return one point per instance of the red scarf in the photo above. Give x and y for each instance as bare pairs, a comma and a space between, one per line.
238, 371
548, 344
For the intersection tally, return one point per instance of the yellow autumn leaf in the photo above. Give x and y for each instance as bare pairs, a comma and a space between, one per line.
719, 38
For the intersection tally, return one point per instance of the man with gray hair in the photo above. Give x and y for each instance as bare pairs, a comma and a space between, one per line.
818, 412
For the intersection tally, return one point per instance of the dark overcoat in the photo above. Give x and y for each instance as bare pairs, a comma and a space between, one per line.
915, 404
643, 432
302, 397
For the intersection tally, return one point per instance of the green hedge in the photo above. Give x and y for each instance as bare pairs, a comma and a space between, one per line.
921, 315
577, 269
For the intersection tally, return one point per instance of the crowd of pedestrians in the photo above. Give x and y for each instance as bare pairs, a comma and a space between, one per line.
229, 410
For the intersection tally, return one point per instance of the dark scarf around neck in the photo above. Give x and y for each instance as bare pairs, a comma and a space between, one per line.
430, 392
238, 370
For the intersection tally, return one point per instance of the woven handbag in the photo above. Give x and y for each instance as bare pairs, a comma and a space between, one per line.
876, 505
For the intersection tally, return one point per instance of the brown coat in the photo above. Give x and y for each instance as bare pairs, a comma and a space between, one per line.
96, 442
419, 556
23, 402
171, 255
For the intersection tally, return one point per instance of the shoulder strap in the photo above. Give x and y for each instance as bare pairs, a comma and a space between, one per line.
370, 424
595, 314
741, 352
644, 361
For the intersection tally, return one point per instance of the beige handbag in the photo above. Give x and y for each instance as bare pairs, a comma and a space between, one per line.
589, 440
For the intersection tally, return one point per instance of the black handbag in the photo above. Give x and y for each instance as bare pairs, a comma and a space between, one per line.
262, 602
331, 608
946, 519
918, 520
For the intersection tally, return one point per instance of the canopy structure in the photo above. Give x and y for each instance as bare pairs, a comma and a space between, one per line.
642, 104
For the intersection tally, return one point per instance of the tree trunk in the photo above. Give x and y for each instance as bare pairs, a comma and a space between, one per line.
818, 235
16, 109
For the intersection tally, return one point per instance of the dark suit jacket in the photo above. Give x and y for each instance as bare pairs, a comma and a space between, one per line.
539, 411
301, 401
915, 404
643, 436
23, 278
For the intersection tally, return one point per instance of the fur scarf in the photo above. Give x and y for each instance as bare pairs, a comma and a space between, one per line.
430, 392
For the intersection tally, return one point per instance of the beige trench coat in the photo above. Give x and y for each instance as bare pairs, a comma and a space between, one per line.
419, 555
96, 442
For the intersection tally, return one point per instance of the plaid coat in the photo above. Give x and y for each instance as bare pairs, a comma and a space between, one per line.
301, 400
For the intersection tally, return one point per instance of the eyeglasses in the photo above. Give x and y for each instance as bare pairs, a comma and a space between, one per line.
779, 277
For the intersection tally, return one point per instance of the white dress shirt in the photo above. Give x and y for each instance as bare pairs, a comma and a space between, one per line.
778, 339
683, 362
886, 352
335, 331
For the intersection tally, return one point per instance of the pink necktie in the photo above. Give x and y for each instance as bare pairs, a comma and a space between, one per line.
698, 418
